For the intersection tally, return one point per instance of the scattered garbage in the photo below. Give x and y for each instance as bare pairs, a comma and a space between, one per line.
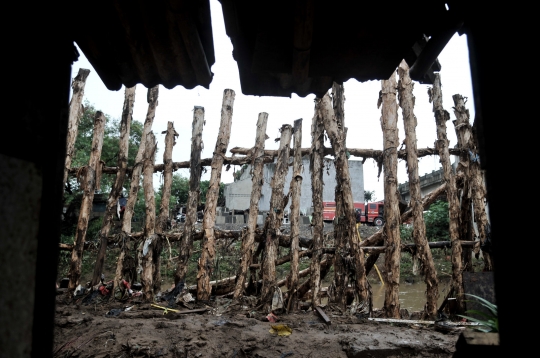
280, 329
277, 299
272, 317
171, 297
114, 312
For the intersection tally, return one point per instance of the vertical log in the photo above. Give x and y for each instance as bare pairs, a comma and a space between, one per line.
147, 252
275, 216
163, 218
125, 125
345, 232
441, 116
88, 185
295, 192
206, 262
464, 137
75, 113
256, 187
195, 170
423, 252
152, 99
317, 223
392, 217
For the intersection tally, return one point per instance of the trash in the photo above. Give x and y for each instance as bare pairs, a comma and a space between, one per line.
272, 318
280, 329
171, 296
128, 308
166, 310
79, 291
277, 300
114, 312
137, 294
103, 290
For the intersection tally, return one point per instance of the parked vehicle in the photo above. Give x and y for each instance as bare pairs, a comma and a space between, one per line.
370, 213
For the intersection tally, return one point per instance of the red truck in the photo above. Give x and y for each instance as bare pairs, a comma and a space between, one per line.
373, 215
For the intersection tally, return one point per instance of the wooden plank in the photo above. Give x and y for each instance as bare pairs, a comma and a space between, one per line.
322, 315
413, 321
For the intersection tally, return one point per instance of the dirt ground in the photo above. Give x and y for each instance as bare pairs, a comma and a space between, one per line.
90, 330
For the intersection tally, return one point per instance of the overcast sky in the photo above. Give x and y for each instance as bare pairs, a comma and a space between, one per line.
361, 114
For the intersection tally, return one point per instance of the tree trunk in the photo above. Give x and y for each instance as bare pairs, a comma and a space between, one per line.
256, 187
88, 185
116, 190
75, 113
275, 216
152, 98
295, 192
423, 252
441, 116
163, 218
392, 220
317, 223
186, 245
206, 262
464, 139
147, 249
345, 232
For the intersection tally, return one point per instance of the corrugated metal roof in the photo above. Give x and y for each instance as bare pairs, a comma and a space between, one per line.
166, 42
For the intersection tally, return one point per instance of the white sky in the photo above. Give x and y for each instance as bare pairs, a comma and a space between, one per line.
361, 114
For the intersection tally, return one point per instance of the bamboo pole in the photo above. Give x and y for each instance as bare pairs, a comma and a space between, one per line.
346, 222
206, 262
147, 249
441, 116
88, 185
256, 187
274, 218
392, 220
186, 245
152, 99
116, 190
423, 252
163, 218
316, 166
295, 192
75, 113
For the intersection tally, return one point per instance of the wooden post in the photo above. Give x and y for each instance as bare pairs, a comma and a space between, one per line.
75, 113
206, 262
392, 220
116, 190
316, 166
275, 216
464, 138
88, 185
163, 218
152, 99
423, 252
256, 187
295, 192
345, 232
147, 254
441, 116
186, 244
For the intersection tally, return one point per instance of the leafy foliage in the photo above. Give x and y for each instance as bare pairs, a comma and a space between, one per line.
369, 195
437, 221
490, 323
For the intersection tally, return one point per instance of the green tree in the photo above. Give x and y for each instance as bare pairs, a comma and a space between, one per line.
437, 221
369, 195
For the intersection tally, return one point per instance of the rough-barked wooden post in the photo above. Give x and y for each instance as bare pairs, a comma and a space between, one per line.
349, 233
317, 224
208, 245
479, 194
75, 113
116, 190
295, 192
146, 250
152, 99
275, 216
464, 138
392, 220
441, 116
195, 170
163, 218
423, 252
88, 185
256, 187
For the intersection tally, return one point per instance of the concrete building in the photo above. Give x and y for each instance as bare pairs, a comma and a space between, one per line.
237, 194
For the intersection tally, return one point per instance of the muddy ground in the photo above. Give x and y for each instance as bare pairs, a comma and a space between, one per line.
226, 331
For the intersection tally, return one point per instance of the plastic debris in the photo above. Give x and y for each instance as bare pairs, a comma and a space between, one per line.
280, 329
277, 299
272, 317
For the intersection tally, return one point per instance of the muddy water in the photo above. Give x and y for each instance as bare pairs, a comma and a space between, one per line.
412, 296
